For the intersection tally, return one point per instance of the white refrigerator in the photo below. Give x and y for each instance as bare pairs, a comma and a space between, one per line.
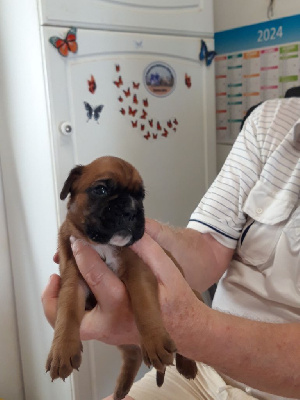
118, 78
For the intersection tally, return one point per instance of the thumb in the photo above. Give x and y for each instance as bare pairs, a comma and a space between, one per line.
161, 233
155, 257
102, 281
50, 298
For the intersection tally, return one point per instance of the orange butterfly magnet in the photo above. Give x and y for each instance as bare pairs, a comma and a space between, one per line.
92, 84
65, 45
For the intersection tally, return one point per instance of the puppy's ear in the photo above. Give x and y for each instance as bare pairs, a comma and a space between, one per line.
73, 176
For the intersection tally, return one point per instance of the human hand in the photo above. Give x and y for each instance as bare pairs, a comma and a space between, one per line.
111, 321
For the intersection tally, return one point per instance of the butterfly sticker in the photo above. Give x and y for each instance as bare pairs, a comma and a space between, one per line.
65, 45
206, 55
187, 80
119, 82
92, 85
135, 100
122, 111
138, 45
134, 124
93, 113
131, 111
127, 92
117, 67
145, 102
144, 115
165, 134
135, 85
147, 136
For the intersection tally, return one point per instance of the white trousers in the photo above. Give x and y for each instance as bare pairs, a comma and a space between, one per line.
208, 385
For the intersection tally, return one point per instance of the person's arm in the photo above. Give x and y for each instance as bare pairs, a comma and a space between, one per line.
262, 355
203, 258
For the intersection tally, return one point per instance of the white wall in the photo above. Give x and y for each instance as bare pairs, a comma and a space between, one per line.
28, 184
11, 383
229, 14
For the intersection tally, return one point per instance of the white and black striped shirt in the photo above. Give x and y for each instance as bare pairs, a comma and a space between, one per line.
266, 152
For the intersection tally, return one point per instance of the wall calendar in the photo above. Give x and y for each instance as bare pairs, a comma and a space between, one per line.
253, 64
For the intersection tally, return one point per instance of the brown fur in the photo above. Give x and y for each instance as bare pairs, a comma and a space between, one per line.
157, 348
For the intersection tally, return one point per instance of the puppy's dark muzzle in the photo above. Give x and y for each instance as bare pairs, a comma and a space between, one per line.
114, 220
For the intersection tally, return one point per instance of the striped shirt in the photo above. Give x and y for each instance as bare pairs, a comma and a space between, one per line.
253, 206
264, 152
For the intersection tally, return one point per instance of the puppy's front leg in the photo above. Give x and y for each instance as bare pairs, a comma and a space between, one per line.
157, 347
65, 352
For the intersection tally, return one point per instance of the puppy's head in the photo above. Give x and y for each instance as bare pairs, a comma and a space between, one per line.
106, 201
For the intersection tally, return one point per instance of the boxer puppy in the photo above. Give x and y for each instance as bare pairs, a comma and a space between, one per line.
105, 208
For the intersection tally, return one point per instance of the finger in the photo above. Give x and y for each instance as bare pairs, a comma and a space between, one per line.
161, 233
50, 298
155, 257
103, 282
56, 258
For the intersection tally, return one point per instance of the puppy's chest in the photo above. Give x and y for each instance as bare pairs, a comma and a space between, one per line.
109, 254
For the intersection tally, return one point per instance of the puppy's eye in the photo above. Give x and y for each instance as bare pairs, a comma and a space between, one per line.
100, 190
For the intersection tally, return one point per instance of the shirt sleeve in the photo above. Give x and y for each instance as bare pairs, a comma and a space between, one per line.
220, 211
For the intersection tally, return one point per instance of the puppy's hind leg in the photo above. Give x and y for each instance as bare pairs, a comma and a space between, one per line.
132, 359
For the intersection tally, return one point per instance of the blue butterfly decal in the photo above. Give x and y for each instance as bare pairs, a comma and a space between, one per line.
93, 112
206, 55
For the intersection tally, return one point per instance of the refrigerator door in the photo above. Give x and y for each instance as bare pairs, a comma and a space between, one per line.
147, 99
185, 17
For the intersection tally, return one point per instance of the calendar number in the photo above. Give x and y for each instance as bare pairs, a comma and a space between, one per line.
269, 34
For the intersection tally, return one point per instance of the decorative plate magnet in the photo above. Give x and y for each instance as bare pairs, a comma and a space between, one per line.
205, 54
93, 113
92, 84
159, 79
65, 45
188, 81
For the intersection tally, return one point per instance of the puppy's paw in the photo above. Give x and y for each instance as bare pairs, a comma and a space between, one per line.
186, 367
64, 356
158, 350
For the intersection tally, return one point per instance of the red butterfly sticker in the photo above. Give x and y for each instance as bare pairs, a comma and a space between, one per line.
117, 67
151, 122
135, 100
175, 121
122, 111
145, 101
142, 127
188, 80
169, 123
165, 134
144, 115
92, 84
135, 85
127, 92
131, 111
134, 124
147, 136
154, 135
65, 45
119, 82
120, 99
158, 126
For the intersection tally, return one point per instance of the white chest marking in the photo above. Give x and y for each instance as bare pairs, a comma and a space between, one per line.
109, 255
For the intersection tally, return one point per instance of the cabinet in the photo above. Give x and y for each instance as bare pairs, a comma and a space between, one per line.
44, 91
180, 17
